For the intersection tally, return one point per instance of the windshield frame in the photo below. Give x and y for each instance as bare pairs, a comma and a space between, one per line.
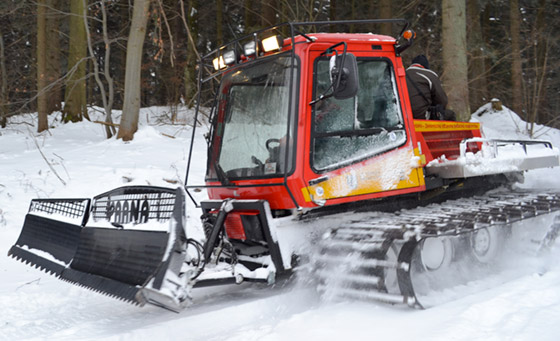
355, 132
217, 132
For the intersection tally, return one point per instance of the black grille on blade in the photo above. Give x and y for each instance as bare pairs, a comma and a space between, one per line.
134, 204
72, 208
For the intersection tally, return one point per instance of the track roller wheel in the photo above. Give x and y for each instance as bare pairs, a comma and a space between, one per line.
486, 244
436, 253
390, 274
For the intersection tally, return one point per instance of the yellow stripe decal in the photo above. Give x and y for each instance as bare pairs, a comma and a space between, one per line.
425, 126
395, 170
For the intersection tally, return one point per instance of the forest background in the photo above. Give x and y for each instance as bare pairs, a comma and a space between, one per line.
68, 56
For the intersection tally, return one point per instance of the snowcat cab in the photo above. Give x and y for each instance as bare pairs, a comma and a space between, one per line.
289, 124
309, 135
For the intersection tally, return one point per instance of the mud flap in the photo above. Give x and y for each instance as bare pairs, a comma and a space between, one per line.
129, 242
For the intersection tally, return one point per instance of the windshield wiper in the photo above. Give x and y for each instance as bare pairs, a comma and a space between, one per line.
322, 96
222, 176
359, 132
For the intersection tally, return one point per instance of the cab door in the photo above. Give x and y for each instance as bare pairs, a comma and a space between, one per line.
359, 147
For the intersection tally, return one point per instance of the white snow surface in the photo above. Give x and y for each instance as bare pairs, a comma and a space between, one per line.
36, 306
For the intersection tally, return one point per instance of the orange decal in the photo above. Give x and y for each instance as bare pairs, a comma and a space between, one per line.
424, 125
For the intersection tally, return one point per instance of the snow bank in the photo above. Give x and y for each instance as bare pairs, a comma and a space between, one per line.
506, 124
34, 305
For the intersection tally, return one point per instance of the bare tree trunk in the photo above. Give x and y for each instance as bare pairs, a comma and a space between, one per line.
190, 68
219, 22
106, 95
477, 69
541, 57
42, 66
268, 13
385, 12
454, 34
352, 28
3, 85
131, 106
120, 56
172, 72
332, 15
516, 68
53, 58
75, 106
249, 16
284, 17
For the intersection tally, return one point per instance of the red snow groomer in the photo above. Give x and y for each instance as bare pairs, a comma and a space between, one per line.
313, 157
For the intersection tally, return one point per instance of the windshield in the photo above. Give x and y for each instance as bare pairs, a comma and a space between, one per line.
252, 123
350, 130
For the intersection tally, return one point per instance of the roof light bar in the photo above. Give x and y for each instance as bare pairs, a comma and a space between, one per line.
230, 57
250, 48
219, 63
273, 43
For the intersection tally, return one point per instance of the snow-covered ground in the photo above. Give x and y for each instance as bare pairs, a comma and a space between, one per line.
75, 160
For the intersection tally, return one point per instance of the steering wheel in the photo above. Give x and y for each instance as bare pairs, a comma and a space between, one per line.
270, 141
257, 162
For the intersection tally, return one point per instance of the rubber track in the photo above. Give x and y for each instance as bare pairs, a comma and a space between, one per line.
370, 240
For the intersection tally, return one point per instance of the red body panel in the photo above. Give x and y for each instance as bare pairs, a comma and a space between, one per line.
439, 138
361, 45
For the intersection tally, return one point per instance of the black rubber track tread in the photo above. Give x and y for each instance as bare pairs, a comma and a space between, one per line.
409, 227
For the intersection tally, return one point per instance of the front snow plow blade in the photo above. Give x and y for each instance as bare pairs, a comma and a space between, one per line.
53, 227
125, 243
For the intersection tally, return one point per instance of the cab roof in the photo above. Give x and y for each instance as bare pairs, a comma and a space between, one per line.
348, 37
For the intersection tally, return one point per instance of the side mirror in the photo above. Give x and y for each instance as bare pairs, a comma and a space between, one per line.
344, 75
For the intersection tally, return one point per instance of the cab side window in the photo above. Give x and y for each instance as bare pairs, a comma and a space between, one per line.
347, 131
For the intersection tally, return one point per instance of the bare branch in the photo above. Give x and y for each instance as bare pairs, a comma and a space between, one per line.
172, 52
107, 100
45, 158
191, 40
